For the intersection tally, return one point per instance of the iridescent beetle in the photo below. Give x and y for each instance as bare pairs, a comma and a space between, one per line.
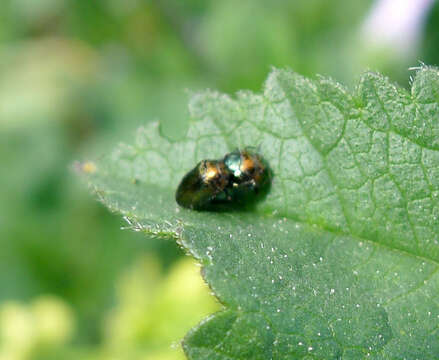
249, 173
238, 179
202, 184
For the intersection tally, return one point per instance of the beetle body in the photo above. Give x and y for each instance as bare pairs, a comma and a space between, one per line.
200, 186
237, 179
249, 173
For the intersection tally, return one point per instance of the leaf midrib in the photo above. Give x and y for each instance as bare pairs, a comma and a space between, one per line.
102, 194
317, 226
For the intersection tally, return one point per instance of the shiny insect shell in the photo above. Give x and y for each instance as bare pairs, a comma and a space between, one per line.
238, 179
249, 173
204, 183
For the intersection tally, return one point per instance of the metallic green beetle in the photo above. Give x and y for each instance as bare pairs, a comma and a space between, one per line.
200, 186
236, 180
249, 172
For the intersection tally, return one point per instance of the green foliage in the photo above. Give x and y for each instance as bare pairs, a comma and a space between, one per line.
78, 75
46, 323
149, 315
144, 321
342, 257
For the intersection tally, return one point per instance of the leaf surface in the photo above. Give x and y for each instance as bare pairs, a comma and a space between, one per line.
341, 259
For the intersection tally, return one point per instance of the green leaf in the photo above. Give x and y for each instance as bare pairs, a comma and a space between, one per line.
341, 259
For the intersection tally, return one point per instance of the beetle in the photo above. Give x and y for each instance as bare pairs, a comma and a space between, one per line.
238, 179
249, 172
202, 184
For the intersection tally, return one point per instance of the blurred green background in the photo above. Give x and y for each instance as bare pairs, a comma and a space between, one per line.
78, 76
